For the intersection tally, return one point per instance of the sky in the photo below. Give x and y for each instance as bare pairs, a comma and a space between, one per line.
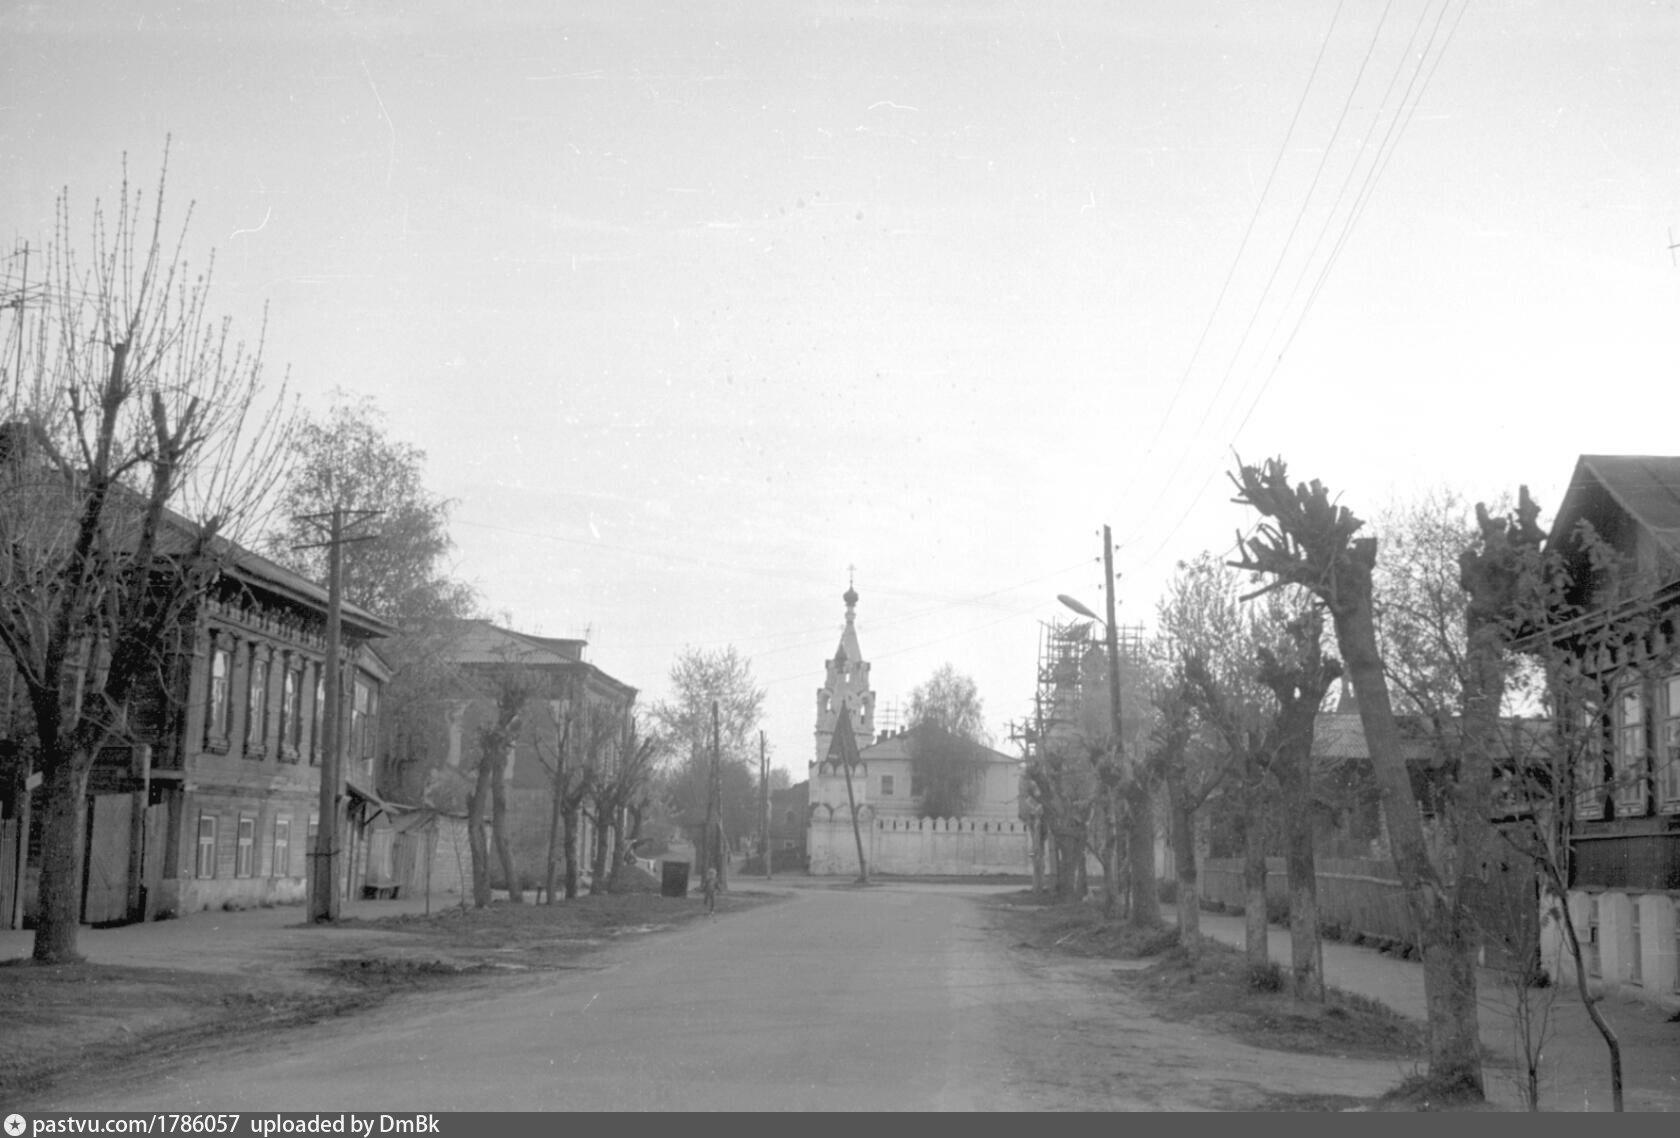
701, 311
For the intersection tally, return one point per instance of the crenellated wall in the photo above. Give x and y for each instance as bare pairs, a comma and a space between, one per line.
912, 846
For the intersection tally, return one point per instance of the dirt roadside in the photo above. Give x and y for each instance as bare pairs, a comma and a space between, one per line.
210, 980
1133, 1028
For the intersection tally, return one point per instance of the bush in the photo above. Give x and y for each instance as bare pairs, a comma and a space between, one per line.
1166, 890
1277, 910
1267, 977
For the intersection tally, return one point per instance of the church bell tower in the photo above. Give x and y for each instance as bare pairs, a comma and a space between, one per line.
847, 685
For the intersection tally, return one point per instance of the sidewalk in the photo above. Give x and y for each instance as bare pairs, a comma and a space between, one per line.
1575, 1065
218, 941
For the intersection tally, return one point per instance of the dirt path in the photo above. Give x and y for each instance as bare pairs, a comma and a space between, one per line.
901, 997
1072, 1035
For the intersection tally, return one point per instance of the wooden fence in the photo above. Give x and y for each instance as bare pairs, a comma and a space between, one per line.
1363, 896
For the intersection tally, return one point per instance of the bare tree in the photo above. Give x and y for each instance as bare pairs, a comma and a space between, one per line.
621, 782
511, 687
1308, 541
1191, 772
139, 441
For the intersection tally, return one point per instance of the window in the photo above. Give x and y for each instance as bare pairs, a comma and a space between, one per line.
320, 712
1636, 961
244, 858
1589, 768
281, 864
361, 717
1668, 751
1590, 948
256, 724
216, 716
1630, 759
291, 713
205, 866
917, 786
886, 786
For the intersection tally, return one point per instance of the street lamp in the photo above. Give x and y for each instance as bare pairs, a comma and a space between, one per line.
1113, 639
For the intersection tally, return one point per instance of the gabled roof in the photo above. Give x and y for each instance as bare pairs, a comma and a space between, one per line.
897, 746
481, 642
1645, 487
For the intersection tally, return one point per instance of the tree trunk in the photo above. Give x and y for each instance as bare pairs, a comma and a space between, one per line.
1110, 854
1449, 976
1038, 844
569, 816
1184, 860
476, 802
1306, 949
63, 826
552, 870
1256, 935
1070, 851
498, 831
599, 871
1146, 908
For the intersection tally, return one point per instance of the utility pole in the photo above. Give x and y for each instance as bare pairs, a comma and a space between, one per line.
764, 813
712, 854
846, 743
323, 865
1109, 790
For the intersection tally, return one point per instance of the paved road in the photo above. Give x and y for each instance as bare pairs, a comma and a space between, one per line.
832, 999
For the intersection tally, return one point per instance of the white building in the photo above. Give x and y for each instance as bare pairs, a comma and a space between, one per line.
885, 791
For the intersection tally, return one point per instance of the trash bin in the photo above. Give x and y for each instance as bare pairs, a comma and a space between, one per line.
673, 879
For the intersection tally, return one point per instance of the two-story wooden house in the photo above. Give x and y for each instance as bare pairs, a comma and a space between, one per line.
1624, 817
216, 801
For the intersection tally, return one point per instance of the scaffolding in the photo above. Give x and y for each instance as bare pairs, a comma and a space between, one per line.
1071, 655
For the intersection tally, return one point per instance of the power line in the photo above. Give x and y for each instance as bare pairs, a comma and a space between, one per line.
1231, 272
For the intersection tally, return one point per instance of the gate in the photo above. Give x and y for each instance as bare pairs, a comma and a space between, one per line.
105, 894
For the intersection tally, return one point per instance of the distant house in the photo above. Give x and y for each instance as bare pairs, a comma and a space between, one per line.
562, 684
990, 838
215, 801
1624, 834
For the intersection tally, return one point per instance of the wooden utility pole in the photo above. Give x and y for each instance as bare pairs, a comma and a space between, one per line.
764, 813
323, 901
323, 863
714, 809
846, 743
1111, 805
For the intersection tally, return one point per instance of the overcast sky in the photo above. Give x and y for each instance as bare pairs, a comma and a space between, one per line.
694, 307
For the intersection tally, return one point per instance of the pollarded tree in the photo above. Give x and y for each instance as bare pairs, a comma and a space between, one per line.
1208, 645
1308, 541
622, 783
138, 443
